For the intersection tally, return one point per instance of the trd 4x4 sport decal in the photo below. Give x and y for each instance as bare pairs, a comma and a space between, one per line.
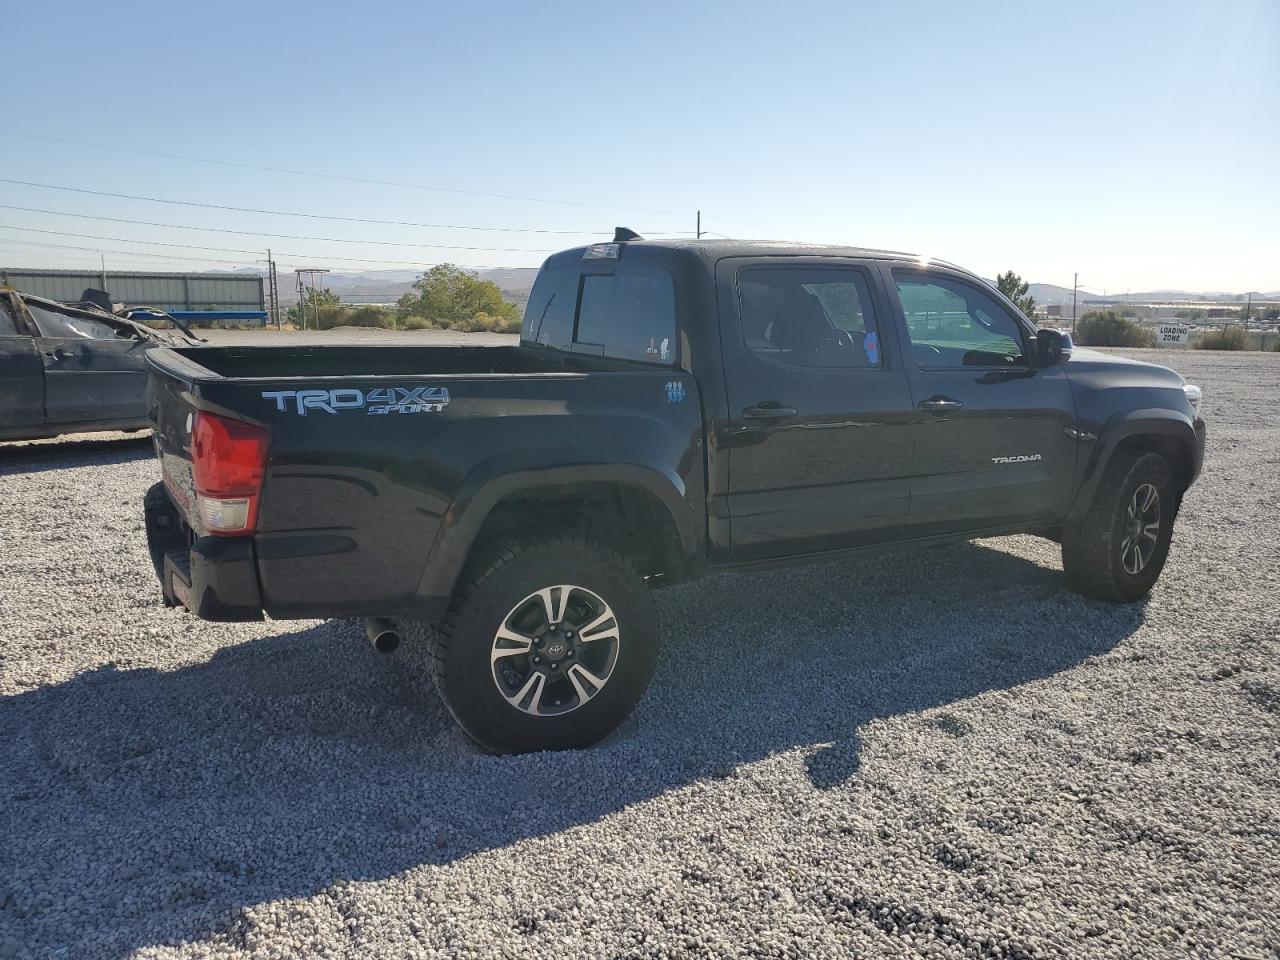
374, 402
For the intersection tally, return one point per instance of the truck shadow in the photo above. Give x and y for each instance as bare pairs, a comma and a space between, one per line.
149, 805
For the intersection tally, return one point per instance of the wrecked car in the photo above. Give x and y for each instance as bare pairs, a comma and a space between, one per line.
73, 368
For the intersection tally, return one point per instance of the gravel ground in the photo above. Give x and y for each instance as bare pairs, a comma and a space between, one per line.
940, 754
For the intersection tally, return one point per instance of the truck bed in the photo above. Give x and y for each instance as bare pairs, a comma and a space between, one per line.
380, 458
322, 362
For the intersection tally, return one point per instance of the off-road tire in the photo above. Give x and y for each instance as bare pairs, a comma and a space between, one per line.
457, 654
1091, 547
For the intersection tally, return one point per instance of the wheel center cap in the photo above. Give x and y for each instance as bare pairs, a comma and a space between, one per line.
556, 647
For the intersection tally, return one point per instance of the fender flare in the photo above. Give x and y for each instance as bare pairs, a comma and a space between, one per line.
497, 478
1155, 421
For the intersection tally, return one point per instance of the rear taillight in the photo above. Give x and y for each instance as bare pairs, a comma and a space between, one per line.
228, 464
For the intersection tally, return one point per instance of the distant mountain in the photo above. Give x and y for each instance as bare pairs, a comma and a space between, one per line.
1047, 293
1169, 296
387, 286
515, 282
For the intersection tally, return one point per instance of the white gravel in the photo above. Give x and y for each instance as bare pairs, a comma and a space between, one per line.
941, 754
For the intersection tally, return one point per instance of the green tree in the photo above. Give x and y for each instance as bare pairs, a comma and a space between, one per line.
314, 300
456, 299
372, 315
1015, 288
1108, 329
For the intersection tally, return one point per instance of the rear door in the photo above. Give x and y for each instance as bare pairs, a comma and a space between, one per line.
993, 442
93, 370
21, 376
820, 437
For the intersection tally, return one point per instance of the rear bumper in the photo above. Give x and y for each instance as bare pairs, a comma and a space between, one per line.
216, 578
221, 578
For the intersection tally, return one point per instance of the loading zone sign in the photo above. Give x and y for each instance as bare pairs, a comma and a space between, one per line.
1172, 335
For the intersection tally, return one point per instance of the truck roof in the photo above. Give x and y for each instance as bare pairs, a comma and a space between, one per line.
717, 249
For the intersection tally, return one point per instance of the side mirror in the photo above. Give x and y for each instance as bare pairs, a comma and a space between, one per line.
1054, 347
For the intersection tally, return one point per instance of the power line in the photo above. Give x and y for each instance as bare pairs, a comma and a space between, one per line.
335, 176
191, 246
387, 223
753, 226
184, 259
256, 233
128, 253
309, 216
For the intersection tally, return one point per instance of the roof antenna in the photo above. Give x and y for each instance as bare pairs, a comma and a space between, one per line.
621, 234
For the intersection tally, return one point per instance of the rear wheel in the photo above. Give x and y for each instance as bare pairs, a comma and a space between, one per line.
548, 647
1118, 549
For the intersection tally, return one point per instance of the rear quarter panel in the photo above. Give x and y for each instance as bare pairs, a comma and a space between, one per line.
355, 504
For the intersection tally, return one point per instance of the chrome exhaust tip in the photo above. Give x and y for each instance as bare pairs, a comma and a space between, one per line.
382, 634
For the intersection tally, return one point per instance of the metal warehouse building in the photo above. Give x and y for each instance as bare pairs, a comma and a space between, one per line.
203, 292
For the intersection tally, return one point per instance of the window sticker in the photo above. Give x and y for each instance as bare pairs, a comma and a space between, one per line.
871, 344
664, 352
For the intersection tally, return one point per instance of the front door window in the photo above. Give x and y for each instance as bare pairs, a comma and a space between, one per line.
954, 324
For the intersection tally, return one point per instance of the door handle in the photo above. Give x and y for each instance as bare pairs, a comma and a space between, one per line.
62, 356
940, 405
769, 410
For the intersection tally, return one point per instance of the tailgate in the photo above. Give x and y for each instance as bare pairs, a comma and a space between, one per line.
171, 410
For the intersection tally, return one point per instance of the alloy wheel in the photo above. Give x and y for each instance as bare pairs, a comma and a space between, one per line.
1142, 529
555, 651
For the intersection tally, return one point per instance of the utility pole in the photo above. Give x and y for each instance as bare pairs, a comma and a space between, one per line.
102, 258
1075, 286
273, 290
699, 224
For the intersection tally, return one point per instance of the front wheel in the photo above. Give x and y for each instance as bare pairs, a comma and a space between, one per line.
1116, 552
549, 647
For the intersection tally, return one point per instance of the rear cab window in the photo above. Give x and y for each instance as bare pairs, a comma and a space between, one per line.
621, 307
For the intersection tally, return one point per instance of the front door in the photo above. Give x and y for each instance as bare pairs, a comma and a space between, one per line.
820, 441
93, 371
994, 440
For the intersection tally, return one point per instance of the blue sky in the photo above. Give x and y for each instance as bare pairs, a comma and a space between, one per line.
1135, 142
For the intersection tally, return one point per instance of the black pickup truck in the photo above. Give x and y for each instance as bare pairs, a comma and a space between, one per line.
673, 408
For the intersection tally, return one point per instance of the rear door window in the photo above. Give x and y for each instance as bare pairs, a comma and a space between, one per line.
806, 316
